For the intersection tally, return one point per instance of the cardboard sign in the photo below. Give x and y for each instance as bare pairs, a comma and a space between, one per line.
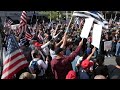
107, 45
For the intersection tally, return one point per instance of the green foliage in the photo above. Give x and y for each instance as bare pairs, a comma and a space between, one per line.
52, 14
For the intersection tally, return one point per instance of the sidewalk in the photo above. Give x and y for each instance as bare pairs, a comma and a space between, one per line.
110, 60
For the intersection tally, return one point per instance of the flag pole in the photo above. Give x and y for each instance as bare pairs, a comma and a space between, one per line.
115, 16
66, 15
31, 21
1, 54
69, 24
50, 16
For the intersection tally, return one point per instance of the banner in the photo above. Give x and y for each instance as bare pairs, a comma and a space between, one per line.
87, 27
96, 37
107, 45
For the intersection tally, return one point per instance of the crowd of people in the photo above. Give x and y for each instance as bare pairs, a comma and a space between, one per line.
54, 54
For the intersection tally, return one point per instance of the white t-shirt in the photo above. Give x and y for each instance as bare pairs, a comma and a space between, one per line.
79, 60
46, 51
52, 54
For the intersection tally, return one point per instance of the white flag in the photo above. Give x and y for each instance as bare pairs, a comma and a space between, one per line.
96, 36
87, 27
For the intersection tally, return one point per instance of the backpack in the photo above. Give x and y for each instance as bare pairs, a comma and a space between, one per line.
34, 68
82, 74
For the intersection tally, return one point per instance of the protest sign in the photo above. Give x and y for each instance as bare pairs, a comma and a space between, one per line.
87, 27
96, 36
107, 45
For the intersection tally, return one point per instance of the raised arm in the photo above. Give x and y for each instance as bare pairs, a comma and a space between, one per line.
93, 50
45, 45
64, 41
59, 43
55, 30
72, 56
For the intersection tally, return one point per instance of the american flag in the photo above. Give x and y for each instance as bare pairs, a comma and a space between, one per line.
8, 23
98, 18
14, 59
28, 34
23, 18
23, 23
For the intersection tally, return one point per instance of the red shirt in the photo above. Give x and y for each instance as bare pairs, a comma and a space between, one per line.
60, 67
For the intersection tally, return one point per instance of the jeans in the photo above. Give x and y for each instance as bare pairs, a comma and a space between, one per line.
113, 50
117, 49
95, 53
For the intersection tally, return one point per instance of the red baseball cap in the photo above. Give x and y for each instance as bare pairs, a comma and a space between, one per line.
71, 75
86, 64
37, 44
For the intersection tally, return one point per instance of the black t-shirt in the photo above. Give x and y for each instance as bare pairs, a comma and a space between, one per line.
101, 70
113, 71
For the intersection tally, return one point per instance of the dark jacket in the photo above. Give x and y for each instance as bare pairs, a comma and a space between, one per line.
113, 70
60, 67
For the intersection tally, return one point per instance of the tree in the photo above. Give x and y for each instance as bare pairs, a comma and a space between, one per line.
53, 15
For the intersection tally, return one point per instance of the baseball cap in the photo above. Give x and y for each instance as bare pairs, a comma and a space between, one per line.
86, 64
58, 50
71, 75
37, 44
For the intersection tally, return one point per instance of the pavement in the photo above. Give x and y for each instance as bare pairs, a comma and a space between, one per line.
110, 60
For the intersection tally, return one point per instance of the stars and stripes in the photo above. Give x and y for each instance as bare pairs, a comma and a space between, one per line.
23, 18
14, 59
23, 22
28, 34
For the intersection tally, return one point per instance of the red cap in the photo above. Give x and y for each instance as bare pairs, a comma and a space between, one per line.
37, 44
86, 64
71, 75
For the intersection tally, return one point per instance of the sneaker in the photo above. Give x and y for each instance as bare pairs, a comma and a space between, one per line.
105, 56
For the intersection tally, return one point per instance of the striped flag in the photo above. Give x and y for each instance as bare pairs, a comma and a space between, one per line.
23, 22
14, 59
28, 34
23, 18
98, 18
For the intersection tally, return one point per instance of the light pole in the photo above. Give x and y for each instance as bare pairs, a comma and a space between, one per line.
50, 15
66, 15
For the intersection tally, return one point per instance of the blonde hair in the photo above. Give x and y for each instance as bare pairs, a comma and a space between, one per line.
27, 75
99, 77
